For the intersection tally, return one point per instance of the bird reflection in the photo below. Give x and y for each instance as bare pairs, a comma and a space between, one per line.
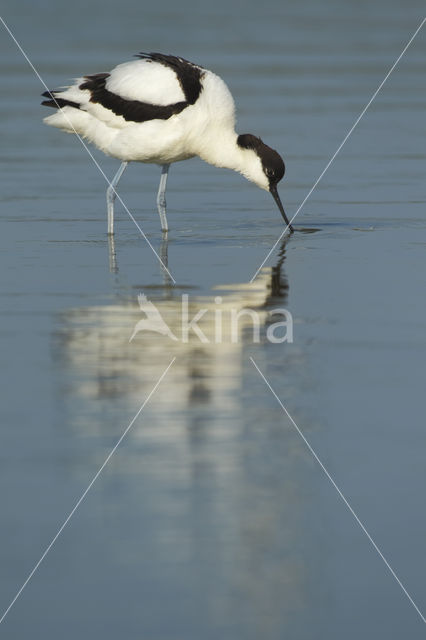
199, 439
279, 282
162, 255
164, 263
110, 357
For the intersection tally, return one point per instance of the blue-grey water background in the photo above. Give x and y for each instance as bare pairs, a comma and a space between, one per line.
213, 519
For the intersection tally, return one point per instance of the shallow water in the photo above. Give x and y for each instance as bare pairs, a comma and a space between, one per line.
213, 519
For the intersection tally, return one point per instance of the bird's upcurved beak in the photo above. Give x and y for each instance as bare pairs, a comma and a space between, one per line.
273, 189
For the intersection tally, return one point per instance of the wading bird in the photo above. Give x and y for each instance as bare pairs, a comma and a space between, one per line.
162, 109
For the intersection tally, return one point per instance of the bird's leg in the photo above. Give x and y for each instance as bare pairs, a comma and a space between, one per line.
111, 195
165, 261
161, 197
112, 255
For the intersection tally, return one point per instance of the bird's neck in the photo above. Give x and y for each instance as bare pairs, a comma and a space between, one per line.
220, 148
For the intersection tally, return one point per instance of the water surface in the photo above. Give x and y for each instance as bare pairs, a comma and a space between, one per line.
213, 519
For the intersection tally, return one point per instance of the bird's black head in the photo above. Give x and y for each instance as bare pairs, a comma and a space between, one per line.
273, 167
272, 164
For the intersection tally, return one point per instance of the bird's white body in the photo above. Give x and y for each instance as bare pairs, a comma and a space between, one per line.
162, 109
205, 129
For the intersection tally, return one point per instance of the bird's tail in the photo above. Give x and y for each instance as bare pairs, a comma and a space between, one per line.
68, 101
70, 120
71, 115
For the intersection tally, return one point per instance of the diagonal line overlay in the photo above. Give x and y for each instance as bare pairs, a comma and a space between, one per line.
89, 152
338, 491
86, 491
343, 142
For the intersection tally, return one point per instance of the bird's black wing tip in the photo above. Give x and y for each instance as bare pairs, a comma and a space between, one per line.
59, 103
49, 103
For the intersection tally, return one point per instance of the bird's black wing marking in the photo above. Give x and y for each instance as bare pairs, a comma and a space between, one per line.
188, 74
132, 110
57, 103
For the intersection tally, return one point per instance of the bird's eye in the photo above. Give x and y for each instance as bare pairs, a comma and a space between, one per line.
270, 173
